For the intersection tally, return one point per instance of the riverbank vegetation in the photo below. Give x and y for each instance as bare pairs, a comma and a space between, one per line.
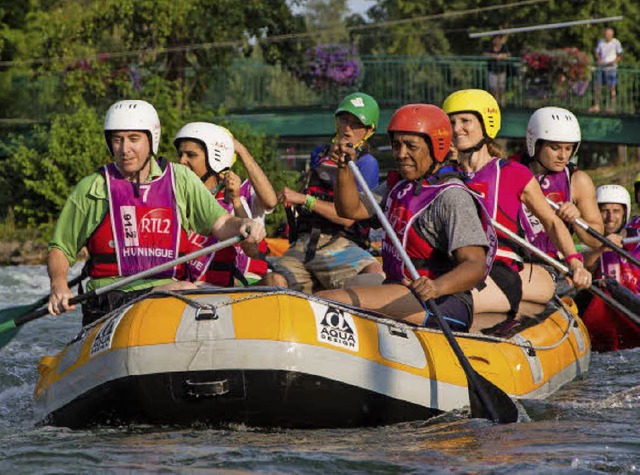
63, 63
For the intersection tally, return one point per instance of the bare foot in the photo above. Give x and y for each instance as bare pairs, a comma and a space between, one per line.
594, 109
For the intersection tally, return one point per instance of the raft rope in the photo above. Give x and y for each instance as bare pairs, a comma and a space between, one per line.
190, 301
184, 298
377, 318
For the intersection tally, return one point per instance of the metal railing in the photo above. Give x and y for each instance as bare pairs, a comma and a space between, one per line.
248, 85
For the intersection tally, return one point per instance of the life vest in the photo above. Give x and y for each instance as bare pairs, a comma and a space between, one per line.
486, 182
319, 184
138, 232
406, 201
613, 265
556, 187
223, 266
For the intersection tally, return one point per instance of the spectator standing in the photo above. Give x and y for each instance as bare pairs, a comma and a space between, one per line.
608, 55
497, 50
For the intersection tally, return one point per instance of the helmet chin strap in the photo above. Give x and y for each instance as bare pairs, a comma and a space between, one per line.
475, 148
206, 176
356, 146
428, 173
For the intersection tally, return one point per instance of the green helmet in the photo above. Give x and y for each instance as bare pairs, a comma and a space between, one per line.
363, 106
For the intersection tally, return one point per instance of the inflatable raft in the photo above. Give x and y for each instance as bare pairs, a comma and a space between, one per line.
271, 357
610, 330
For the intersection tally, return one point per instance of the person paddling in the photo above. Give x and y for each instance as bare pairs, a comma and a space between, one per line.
210, 150
553, 139
504, 187
133, 214
615, 205
328, 251
435, 216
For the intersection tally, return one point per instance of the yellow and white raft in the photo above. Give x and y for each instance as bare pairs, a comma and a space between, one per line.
272, 357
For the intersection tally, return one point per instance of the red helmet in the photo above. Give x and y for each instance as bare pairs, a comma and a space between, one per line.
424, 119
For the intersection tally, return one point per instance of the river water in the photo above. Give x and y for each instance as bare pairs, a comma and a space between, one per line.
589, 426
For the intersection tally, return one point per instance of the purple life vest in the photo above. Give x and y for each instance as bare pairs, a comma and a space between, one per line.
198, 267
403, 208
146, 228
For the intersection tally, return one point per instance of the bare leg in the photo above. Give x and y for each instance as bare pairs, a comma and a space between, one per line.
177, 285
274, 279
393, 300
490, 299
596, 98
612, 105
369, 276
537, 284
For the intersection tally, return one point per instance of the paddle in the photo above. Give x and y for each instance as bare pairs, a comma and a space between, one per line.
565, 270
607, 242
18, 318
487, 401
11, 313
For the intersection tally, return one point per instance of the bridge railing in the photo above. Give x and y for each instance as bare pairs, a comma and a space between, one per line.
249, 85
393, 81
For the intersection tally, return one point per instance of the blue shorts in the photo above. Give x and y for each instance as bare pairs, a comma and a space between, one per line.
608, 77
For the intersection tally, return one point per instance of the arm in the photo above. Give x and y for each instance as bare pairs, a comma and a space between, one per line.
232, 190
592, 256
468, 272
535, 200
228, 226
58, 268
232, 184
323, 208
585, 207
346, 196
258, 179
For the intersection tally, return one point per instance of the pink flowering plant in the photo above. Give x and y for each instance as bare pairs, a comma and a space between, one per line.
563, 69
536, 64
332, 67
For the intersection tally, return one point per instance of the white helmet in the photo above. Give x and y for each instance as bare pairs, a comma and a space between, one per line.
216, 141
133, 115
614, 194
553, 124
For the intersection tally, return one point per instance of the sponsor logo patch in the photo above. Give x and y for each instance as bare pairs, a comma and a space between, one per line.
335, 327
104, 337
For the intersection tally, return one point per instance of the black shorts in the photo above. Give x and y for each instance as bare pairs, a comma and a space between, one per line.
456, 309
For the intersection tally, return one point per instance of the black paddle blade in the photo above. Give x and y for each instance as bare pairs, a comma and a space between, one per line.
8, 329
497, 405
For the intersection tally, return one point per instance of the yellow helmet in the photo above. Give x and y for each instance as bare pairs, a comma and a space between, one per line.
478, 101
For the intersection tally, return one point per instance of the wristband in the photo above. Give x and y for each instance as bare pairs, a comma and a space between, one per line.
575, 255
310, 202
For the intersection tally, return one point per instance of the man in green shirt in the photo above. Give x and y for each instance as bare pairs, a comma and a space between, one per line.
133, 215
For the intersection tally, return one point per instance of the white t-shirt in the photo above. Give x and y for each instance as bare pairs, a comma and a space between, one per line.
608, 52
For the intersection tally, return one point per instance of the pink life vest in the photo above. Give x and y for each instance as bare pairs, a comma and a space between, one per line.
403, 208
488, 183
615, 266
143, 231
556, 187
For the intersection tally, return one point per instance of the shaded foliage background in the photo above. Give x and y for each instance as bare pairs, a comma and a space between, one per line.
176, 54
